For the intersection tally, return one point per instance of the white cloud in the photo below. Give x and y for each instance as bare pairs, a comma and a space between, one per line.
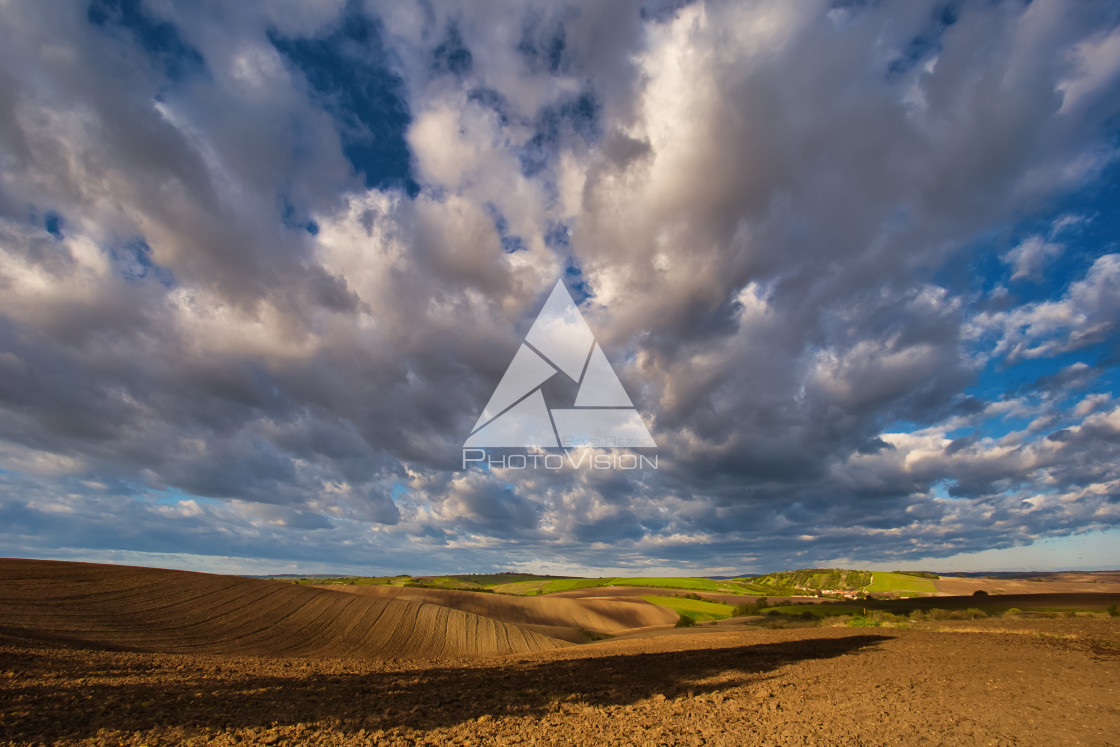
760, 199
1087, 313
1097, 67
1031, 257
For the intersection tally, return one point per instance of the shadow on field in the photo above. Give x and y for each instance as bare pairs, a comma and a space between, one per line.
68, 695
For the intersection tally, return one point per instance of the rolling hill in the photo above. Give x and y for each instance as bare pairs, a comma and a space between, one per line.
147, 609
558, 617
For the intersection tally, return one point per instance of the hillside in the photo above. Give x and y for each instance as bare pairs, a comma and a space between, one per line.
807, 579
792, 583
558, 617
147, 609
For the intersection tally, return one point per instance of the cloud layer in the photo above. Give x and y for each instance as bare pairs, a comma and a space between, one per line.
263, 264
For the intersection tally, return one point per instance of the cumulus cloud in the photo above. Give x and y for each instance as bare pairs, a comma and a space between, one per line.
1087, 313
1029, 258
260, 277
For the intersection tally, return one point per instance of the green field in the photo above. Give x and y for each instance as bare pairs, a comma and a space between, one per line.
678, 582
571, 584
504, 579
697, 610
884, 581
792, 583
520, 588
547, 586
444, 582
348, 580
425, 582
785, 583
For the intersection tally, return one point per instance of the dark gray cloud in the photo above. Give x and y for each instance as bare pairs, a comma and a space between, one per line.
257, 283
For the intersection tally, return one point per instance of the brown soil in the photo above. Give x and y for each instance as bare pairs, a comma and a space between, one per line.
994, 681
563, 618
1048, 583
782, 687
149, 609
997, 602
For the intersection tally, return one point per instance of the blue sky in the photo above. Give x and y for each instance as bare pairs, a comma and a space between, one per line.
857, 265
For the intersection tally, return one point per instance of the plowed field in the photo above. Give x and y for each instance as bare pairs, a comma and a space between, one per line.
563, 618
95, 655
148, 609
1051, 583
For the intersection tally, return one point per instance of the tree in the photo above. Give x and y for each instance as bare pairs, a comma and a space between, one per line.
752, 608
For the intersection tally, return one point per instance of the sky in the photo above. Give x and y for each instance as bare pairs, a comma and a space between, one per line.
856, 264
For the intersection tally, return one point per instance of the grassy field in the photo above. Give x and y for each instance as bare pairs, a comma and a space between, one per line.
348, 580
883, 581
505, 579
548, 586
551, 586
697, 610
427, 582
669, 582
776, 584
521, 588
792, 583
445, 582
677, 582
542, 586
